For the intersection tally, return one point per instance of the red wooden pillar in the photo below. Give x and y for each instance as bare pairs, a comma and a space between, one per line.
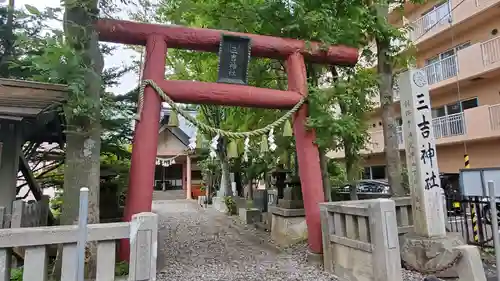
307, 155
142, 167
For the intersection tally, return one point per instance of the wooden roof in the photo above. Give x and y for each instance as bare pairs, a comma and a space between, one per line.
21, 98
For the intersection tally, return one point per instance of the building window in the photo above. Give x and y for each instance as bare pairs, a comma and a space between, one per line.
446, 54
374, 173
454, 108
444, 65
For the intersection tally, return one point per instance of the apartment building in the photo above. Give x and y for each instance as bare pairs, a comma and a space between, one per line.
458, 46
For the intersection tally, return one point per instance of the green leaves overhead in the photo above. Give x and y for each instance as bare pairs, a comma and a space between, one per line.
32, 9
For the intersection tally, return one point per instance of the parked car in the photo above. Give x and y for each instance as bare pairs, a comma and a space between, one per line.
369, 186
366, 189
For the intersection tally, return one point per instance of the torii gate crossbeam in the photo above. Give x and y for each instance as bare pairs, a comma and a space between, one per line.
157, 38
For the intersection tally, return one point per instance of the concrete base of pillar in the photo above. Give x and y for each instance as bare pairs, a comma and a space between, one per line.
288, 226
290, 204
249, 215
314, 259
437, 256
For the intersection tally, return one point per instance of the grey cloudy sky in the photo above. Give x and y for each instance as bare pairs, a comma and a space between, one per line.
120, 56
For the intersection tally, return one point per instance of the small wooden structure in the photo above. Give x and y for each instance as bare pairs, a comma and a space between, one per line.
29, 112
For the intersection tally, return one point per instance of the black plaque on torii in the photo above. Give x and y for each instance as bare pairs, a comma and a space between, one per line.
234, 56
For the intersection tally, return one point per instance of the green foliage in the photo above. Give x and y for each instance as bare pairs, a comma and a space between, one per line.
230, 204
61, 64
121, 268
56, 204
339, 112
337, 173
16, 274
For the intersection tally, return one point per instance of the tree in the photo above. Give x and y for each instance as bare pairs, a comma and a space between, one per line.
391, 42
75, 58
300, 19
344, 126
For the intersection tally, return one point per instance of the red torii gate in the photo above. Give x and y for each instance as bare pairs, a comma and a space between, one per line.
157, 38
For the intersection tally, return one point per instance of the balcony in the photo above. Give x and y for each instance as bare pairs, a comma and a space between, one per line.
476, 60
440, 19
477, 123
441, 70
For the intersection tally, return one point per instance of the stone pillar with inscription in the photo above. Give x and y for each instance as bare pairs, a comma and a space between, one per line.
429, 248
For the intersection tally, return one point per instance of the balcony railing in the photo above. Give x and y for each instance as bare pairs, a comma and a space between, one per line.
441, 70
431, 20
494, 111
482, 122
491, 51
448, 126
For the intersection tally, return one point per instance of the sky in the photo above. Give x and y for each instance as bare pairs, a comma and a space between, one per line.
121, 56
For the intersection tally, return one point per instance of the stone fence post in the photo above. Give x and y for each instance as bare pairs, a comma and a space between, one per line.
143, 247
384, 236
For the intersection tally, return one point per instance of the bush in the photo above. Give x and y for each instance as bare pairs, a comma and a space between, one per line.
16, 274
121, 269
230, 204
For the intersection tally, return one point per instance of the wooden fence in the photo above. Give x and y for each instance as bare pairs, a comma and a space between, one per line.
25, 214
142, 231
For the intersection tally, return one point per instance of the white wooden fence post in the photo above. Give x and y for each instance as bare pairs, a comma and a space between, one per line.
82, 233
5, 261
143, 247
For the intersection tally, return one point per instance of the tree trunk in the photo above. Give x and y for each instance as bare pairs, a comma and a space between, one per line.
225, 183
385, 71
351, 160
83, 142
351, 172
323, 163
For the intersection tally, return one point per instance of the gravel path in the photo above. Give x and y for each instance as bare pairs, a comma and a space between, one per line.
198, 244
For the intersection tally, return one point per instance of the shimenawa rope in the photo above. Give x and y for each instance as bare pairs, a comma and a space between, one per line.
204, 127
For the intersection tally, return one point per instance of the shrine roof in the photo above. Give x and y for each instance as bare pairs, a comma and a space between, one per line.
19, 98
36, 105
184, 131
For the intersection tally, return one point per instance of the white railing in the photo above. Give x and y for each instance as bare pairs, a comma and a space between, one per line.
429, 21
441, 70
448, 126
142, 232
494, 111
490, 51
